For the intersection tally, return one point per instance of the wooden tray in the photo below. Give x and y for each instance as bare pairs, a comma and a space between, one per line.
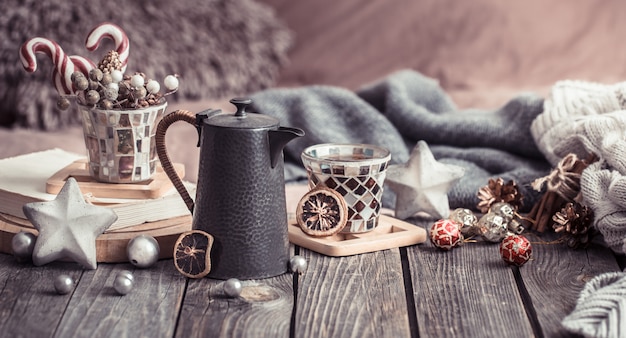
390, 233
110, 246
155, 187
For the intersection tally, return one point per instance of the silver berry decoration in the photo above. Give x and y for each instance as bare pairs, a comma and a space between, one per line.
81, 83
92, 97
63, 103
123, 282
63, 284
297, 264
143, 251
22, 245
232, 287
95, 74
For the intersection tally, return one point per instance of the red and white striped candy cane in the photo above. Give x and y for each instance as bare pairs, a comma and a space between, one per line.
64, 65
113, 32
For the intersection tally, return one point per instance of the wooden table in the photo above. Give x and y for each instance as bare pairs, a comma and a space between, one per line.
417, 291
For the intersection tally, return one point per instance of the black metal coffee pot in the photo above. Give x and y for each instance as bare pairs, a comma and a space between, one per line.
240, 197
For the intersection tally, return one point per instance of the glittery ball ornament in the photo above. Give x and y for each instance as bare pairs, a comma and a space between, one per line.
493, 227
466, 219
516, 250
445, 234
504, 210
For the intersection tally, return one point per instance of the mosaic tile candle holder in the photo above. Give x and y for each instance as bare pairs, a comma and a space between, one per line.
357, 172
121, 143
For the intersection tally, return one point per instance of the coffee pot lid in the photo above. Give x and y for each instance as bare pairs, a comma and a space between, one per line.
242, 119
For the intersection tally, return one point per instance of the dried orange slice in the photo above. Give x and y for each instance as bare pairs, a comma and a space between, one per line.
192, 253
322, 212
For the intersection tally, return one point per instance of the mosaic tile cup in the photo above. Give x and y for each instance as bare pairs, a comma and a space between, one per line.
357, 172
121, 145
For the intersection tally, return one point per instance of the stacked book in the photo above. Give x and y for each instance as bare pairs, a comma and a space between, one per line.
39, 176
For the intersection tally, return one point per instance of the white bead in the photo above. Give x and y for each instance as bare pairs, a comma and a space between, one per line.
117, 75
127, 274
22, 246
297, 264
63, 284
153, 87
232, 287
171, 82
137, 81
122, 284
143, 251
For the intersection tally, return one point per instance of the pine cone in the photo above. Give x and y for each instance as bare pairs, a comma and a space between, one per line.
497, 191
574, 221
110, 62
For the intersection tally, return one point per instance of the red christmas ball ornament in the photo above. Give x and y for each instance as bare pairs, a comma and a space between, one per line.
516, 250
445, 234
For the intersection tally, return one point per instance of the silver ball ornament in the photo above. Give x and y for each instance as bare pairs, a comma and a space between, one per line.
493, 227
143, 251
63, 284
297, 264
232, 287
467, 220
123, 283
22, 246
504, 210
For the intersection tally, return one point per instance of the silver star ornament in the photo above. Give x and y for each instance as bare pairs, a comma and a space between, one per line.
422, 184
68, 227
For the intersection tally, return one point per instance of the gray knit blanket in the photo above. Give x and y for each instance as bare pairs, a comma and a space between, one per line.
404, 108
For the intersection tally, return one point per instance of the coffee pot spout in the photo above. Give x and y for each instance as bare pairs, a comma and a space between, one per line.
279, 139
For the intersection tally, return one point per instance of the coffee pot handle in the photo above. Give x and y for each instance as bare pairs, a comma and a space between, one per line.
167, 121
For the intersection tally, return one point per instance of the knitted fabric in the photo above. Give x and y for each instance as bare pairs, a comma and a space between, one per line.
588, 118
404, 108
600, 308
569, 104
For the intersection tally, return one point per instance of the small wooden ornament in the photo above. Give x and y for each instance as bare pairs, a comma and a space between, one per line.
192, 253
322, 212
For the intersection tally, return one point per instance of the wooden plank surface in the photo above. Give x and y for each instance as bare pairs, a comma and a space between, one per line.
353, 296
149, 310
263, 309
29, 305
555, 278
466, 292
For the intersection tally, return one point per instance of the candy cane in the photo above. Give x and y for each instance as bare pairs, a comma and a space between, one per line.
64, 65
113, 32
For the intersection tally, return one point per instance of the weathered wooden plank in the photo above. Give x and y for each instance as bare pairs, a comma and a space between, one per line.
263, 309
354, 296
555, 277
29, 304
466, 292
149, 310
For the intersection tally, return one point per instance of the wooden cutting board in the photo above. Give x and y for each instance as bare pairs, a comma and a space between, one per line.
155, 187
390, 233
110, 246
